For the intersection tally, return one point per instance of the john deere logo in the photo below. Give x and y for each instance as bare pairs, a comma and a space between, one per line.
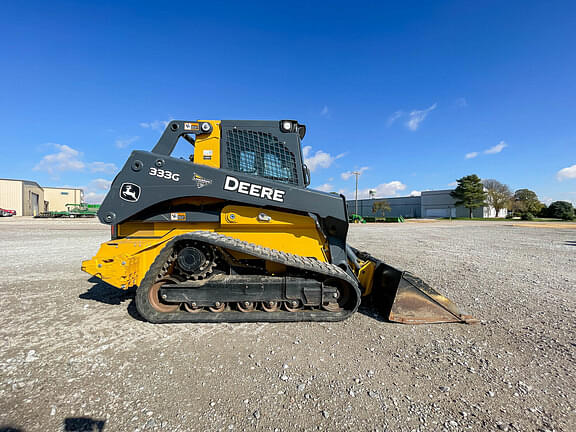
201, 181
130, 192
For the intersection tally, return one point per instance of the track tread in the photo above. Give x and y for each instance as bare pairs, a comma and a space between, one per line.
220, 240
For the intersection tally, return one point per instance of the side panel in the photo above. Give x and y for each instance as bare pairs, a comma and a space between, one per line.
148, 179
124, 262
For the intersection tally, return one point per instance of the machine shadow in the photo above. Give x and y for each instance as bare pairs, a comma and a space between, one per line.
10, 429
373, 312
105, 293
83, 424
108, 294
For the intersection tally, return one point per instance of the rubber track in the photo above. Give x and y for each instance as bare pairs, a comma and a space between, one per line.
219, 240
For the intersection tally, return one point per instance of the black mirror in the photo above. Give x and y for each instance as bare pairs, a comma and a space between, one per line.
306, 175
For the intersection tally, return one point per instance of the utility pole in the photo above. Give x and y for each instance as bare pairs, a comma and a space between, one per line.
357, 174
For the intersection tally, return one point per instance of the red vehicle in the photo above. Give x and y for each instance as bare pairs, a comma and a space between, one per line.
4, 212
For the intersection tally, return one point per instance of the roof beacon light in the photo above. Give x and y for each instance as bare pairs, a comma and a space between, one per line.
286, 125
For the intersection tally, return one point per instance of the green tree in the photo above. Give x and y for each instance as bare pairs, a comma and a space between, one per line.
561, 210
526, 203
381, 206
543, 213
498, 195
469, 193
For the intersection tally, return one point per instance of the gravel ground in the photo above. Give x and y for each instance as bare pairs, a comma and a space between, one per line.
75, 356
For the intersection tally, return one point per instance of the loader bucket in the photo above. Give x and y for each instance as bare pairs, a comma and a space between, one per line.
408, 299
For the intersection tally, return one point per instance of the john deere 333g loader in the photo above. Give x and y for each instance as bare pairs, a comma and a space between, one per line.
235, 235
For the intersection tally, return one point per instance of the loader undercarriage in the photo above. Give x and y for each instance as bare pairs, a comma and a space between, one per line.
196, 278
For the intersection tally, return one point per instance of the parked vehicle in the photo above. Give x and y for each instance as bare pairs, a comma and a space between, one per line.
5, 212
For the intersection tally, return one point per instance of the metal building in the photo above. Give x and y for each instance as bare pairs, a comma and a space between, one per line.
26, 197
430, 204
408, 207
58, 198
438, 204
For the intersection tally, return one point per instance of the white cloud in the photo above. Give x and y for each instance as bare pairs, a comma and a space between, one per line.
125, 142
94, 197
454, 183
393, 118
417, 116
492, 150
103, 167
326, 187
381, 191
68, 159
100, 184
566, 173
415, 193
325, 112
497, 148
155, 124
346, 175
65, 159
96, 190
320, 159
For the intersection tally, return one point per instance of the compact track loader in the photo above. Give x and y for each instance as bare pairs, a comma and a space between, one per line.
234, 235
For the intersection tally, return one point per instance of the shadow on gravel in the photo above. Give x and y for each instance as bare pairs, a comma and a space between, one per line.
83, 424
107, 294
372, 312
104, 293
10, 429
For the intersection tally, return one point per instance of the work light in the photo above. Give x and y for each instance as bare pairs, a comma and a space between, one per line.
286, 125
205, 127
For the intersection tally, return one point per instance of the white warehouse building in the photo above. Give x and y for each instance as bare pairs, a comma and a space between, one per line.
430, 204
28, 198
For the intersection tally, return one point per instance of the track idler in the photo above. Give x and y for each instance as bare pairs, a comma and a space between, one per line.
405, 298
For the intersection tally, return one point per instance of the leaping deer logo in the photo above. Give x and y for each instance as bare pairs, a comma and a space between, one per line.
130, 192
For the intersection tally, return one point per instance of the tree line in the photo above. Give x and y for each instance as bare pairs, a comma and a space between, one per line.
472, 192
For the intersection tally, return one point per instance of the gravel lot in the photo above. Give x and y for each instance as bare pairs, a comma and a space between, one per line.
74, 355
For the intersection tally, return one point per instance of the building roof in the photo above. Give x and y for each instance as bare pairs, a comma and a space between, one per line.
66, 188
28, 182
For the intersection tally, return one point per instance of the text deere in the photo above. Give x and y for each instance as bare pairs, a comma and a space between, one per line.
256, 190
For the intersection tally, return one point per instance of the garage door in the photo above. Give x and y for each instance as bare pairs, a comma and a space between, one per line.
34, 198
438, 213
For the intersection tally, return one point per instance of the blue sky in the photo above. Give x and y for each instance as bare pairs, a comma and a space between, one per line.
413, 94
